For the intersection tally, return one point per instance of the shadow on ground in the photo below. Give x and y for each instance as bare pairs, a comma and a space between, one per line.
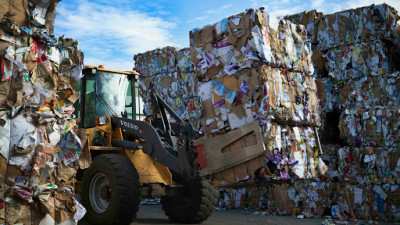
151, 221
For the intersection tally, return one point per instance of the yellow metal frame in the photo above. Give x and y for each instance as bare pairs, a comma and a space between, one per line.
112, 71
149, 170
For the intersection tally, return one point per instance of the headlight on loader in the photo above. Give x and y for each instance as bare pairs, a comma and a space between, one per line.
102, 120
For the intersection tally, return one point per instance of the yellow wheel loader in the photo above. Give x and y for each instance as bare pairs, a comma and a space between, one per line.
133, 158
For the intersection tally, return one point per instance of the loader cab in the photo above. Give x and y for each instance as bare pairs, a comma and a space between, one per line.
108, 92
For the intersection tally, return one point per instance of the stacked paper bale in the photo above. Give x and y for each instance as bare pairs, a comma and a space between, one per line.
256, 67
315, 198
364, 24
41, 148
370, 191
169, 72
373, 173
356, 57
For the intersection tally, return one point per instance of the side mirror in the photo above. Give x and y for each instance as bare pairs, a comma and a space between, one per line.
124, 114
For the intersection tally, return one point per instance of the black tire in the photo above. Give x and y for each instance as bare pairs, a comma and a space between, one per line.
193, 204
123, 190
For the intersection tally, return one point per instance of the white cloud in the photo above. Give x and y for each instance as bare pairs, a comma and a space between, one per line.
111, 36
116, 64
254, 3
258, 3
317, 3
219, 11
285, 11
280, 7
199, 18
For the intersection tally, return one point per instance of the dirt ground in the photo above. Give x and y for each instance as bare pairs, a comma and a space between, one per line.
153, 214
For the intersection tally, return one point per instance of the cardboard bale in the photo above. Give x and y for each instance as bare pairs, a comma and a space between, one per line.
156, 62
279, 196
249, 68
290, 97
40, 72
317, 198
370, 92
34, 13
253, 66
283, 96
291, 152
235, 43
367, 23
357, 60
16, 11
32, 153
174, 82
375, 127
246, 68
355, 54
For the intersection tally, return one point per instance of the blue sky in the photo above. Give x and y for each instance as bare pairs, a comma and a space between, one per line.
111, 32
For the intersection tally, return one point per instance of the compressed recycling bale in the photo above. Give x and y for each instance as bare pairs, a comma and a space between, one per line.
251, 37
358, 50
375, 127
245, 68
169, 72
156, 62
291, 154
361, 179
359, 60
367, 92
367, 23
40, 72
262, 94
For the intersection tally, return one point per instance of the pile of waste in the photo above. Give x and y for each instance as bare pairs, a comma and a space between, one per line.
256, 68
253, 68
248, 70
356, 58
169, 72
361, 183
355, 55
41, 147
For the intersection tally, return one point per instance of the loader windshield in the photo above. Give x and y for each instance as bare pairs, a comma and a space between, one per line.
105, 95
111, 93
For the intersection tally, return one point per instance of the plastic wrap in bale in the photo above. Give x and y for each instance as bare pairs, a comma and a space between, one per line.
23, 139
5, 132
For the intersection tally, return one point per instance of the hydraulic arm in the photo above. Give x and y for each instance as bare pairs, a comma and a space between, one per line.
159, 145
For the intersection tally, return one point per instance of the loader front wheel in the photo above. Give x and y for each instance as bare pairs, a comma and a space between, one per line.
110, 190
192, 204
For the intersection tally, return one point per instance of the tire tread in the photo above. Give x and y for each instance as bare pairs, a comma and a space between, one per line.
127, 185
197, 212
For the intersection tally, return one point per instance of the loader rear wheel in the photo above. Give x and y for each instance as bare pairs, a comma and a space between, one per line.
193, 204
111, 190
